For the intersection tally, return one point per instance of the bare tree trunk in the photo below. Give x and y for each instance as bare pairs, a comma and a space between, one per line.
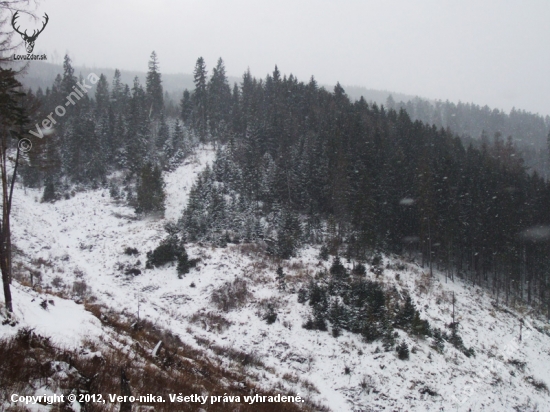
5, 249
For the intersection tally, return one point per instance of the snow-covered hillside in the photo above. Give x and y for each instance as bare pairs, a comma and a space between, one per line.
78, 246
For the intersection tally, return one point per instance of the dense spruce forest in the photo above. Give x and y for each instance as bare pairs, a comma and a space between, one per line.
477, 125
297, 164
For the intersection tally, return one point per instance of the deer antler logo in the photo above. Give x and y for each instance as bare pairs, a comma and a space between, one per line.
29, 40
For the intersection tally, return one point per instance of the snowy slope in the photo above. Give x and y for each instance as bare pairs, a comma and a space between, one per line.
82, 239
66, 322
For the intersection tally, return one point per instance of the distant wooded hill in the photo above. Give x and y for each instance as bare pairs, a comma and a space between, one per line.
474, 123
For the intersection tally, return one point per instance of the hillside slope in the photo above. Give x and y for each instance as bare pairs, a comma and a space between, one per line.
77, 246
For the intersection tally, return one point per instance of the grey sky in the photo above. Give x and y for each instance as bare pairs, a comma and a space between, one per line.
493, 52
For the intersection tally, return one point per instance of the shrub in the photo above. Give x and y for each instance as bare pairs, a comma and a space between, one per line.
80, 288
315, 323
211, 321
131, 251
231, 295
57, 282
132, 271
166, 252
426, 390
518, 364
367, 384
537, 384
170, 249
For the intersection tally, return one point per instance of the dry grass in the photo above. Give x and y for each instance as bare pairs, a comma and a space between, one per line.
30, 361
424, 283
211, 321
231, 295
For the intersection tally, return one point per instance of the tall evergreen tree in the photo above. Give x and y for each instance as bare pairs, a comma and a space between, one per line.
138, 129
219, 100
200, 99
186, 107
153, 88
150, 191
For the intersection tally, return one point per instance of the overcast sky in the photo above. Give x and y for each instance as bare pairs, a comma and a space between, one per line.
494, 52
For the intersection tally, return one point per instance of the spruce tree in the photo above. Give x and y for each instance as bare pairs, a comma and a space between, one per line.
69, 80
138, 131
288, 235
153, 88
186, 107
150, 191
281, 279
179, 147
163, 134
406, 314
200, 100
219, 100
119, 94
403, 351
102, 97
183, 262
49, 194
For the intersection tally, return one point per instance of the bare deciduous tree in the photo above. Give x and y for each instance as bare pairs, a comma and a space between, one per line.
13, 118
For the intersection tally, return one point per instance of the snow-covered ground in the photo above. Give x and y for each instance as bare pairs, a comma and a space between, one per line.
82, 239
